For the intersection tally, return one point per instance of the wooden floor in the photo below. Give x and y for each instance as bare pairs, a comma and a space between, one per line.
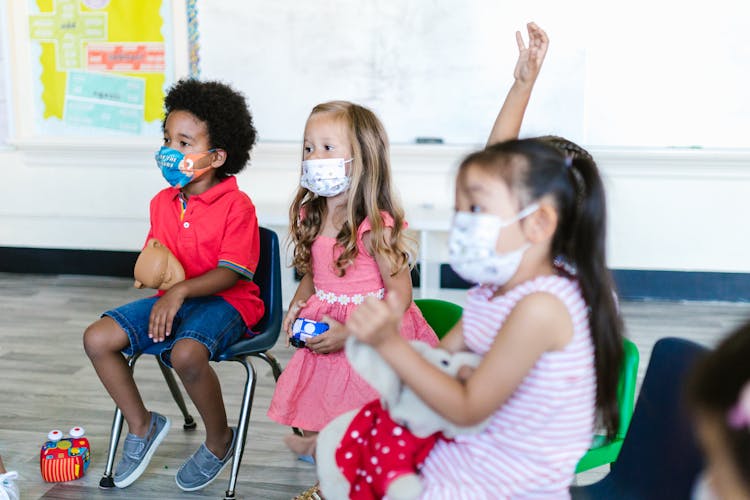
47, 382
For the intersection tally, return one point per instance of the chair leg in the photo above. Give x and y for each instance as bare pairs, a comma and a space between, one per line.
271, 360
189, 424
114, 439
242, 425
276, 369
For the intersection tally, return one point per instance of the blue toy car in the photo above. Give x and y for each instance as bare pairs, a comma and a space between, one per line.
305, 329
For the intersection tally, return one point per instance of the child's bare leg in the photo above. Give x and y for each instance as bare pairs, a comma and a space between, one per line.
302, 445
2, 466
103, 340
190, 361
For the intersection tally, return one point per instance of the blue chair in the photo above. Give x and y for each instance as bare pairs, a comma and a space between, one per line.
659, 456
268, 279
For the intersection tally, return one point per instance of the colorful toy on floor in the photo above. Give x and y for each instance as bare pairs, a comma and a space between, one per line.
64, 459
305, 329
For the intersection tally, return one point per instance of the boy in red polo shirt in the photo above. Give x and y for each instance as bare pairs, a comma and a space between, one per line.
211, 227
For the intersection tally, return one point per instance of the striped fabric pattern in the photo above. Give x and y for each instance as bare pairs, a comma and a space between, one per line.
244, 272
534, 441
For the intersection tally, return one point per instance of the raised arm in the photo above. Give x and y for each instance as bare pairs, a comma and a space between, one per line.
530, 59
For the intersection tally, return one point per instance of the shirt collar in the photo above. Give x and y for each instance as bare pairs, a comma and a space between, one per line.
225, 186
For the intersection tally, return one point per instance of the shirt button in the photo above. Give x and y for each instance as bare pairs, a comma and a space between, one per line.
186, 225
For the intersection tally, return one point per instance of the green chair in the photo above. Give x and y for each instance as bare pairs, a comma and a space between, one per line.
603, 451
441, 315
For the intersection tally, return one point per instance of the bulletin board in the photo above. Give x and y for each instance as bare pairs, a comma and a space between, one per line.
100, 67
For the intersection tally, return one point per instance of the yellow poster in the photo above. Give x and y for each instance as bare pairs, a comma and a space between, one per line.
102, 65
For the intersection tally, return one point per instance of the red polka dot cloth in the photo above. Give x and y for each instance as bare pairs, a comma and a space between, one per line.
375, 451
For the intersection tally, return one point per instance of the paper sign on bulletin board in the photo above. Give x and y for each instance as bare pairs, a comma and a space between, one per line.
100, 67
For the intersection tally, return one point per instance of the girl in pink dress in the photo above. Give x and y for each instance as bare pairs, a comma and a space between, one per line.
347, 227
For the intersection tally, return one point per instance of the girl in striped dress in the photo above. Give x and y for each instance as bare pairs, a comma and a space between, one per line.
529, 229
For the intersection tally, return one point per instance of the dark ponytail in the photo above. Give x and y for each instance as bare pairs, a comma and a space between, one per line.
586, 250
553, 166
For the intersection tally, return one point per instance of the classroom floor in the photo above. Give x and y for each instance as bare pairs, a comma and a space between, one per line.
47, 382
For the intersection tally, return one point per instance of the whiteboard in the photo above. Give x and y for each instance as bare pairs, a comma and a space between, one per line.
640, 73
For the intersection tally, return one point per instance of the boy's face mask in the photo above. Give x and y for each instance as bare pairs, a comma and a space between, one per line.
472, 242
179, 169
325, 176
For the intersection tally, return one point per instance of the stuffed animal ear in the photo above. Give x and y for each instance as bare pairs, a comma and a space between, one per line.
371, 367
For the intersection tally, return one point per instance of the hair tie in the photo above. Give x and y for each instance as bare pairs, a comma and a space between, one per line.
562, 262
739, 414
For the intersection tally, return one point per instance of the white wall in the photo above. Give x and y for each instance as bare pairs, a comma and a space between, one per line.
669, 209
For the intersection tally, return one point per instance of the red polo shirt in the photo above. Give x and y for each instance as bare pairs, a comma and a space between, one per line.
217, 228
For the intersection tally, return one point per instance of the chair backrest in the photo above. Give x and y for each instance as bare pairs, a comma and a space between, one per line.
659, 457
441, 315
268, 278
626, 388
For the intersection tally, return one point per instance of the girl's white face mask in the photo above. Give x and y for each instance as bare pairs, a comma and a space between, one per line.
325, 176
472, 242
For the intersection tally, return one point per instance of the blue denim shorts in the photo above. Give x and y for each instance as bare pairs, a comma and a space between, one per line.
211, 320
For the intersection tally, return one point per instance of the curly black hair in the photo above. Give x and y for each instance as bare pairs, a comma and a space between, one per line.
225, 112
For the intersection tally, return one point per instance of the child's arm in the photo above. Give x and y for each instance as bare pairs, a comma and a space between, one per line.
538, 323
165, 309
508, 122
305, 290
453, 341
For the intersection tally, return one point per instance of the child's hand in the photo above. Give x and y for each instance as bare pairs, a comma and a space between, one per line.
530, 59
332, 340
163, 313
291, 315
374, 321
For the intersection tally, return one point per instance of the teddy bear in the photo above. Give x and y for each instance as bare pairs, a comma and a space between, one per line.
379, 448
157, 267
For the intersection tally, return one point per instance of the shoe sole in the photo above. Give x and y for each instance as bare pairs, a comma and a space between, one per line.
196, 488
146, 458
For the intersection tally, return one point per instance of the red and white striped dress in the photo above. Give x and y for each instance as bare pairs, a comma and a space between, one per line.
534, 441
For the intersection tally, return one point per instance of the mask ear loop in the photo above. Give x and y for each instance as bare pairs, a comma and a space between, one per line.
190, 163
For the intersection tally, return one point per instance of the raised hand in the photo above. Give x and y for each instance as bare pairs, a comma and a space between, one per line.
530, 58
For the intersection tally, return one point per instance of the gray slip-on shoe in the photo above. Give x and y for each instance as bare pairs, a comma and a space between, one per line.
203, 466
137, 451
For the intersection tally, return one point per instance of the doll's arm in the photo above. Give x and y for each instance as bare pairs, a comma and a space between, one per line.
530, 59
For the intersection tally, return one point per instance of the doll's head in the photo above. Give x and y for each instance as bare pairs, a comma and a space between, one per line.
157, 267
719, 395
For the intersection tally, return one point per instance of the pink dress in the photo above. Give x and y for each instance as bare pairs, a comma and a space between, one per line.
316, 388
